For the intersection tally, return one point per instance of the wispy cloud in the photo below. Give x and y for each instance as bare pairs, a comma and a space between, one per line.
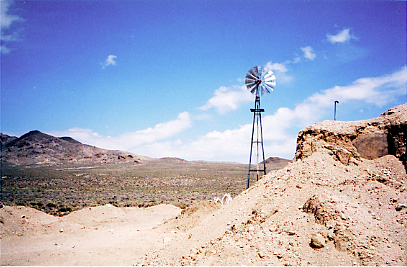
308, 52
110, 61
340, 37
6, 21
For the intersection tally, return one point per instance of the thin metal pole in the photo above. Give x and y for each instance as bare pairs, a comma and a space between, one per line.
262, 146
257, 140
335, 109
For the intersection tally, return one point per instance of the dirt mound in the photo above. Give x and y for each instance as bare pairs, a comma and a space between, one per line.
359, 212
193, 215
21, 220
329, 207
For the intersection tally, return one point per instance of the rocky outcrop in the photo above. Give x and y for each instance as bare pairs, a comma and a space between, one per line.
347, 142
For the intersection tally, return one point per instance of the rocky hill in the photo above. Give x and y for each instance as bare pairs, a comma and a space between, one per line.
36, 147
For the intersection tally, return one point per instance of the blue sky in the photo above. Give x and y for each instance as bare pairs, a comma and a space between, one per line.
166, 78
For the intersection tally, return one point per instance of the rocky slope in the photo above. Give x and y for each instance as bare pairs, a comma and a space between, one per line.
331, 206
36, 147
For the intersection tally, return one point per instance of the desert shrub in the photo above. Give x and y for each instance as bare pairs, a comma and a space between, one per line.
51, 205
65, 209
36, 204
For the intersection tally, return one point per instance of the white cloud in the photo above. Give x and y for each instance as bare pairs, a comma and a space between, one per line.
373, 90
280, 70
111, 60
279, 129
308, 53
340, 37
228, 98
132, 141
6, 20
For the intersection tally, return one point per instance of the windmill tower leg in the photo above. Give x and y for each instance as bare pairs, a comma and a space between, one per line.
259, 142
262, 146
251, 152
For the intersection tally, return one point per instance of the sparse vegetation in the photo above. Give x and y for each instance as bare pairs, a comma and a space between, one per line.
61, 189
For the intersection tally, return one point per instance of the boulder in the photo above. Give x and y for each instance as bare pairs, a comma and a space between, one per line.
371, 145
317, 241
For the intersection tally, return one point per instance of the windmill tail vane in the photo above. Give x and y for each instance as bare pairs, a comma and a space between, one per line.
258, 81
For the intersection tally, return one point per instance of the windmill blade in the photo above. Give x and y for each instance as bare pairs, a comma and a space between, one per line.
251, 76
256, 71
253, 73
268, 74
251, 87
260, 71
250, 84
271, 83
250, 79
264, 90
270, 78
268, 88
254, 90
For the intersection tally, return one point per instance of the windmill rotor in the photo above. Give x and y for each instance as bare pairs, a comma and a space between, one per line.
260, 81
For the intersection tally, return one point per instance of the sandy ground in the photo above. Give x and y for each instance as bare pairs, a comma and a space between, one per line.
104, 235
358, 213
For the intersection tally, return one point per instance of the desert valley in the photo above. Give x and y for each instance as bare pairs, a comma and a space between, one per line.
341, 201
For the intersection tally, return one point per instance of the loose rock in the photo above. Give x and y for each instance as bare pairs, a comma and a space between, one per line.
317, 241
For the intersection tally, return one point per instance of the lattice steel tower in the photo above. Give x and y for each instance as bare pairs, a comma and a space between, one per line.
258, 81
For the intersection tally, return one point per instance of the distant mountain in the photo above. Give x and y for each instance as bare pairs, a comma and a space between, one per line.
5, 139
36, 147
276, 163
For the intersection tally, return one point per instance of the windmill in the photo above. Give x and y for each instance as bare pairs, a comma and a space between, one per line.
259, 81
